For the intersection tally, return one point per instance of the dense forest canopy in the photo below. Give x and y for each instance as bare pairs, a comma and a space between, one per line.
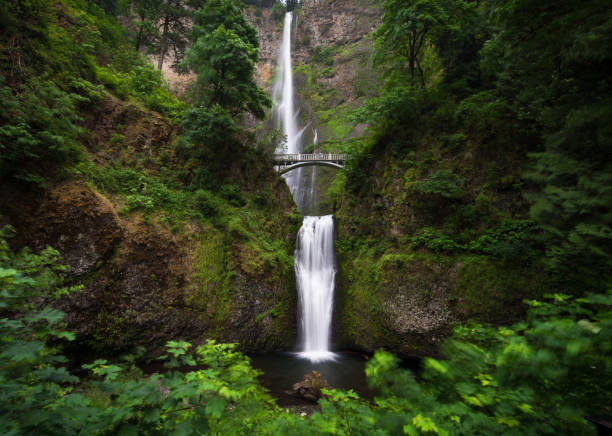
529, 79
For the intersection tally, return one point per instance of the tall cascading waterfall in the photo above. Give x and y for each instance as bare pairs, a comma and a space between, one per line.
315, 268
284, 108
315, 273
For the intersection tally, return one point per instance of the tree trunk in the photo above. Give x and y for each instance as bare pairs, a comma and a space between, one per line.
139, 36
412, 55
164, 43
421, 73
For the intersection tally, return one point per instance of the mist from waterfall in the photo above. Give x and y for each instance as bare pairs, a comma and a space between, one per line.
315, 268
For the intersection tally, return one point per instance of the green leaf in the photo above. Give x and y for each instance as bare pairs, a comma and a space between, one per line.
215, 406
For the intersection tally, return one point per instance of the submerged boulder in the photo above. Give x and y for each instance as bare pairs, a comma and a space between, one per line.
310, 388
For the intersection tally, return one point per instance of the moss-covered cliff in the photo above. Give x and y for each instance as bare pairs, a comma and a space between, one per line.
165, 246
158, 262
433, 231
431, 215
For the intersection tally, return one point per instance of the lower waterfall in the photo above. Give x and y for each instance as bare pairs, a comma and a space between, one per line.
315, 272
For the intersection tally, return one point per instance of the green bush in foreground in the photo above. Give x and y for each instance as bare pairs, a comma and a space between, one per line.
537, 377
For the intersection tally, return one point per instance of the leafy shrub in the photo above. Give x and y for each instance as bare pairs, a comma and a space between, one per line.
145, 79
434, 241
145, 83
324, 55
511, 241
440, 184
141, 190
399, 102
38, 129
233, 194
539, 377
261, 198
206, 203
208, 129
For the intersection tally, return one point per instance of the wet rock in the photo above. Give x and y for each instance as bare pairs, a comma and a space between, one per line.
78, 222
310, 388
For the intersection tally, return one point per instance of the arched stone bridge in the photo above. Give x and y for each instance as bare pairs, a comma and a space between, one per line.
287, 162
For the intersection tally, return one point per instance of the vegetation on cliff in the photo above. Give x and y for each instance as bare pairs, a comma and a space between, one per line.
537, 377
101, 160
484, 179
485, 163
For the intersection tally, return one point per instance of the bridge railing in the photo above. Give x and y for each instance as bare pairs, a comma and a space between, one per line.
301, 157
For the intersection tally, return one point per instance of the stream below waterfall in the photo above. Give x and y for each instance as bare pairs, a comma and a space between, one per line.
282, 370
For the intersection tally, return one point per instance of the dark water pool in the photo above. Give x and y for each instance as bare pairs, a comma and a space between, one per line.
282, 370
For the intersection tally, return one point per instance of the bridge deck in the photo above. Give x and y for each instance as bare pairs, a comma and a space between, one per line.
290, 159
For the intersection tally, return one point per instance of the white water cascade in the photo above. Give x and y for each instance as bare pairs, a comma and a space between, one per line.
315, 274
315, 268
284, 105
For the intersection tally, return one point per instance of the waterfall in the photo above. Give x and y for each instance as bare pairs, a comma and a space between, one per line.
315, 274
315, 269
284, 89
284, 107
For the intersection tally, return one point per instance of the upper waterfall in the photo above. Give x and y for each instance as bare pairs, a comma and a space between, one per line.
283, 91
286, 113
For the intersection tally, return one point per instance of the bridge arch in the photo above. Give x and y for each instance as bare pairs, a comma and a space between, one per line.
286, 169
288, 162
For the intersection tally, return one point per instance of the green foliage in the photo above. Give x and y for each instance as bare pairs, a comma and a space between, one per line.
537, 377
278, 11
519, 241
442, 184
207, 130
564, 95
146, 84
459, 42
37, 391
324, 55
223, 54
400, 102
434, 241
32, 380
495, 380
405, 25
233, 194
207, 204
38, 129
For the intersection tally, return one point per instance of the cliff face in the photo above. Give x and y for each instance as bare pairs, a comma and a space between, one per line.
432, 231
330, 54
146, 280
403, 283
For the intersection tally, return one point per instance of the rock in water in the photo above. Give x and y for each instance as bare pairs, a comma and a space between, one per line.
310, 388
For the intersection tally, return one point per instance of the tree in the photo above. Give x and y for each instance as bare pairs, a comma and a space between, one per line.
173, 30
38, 130
551, 61
405, 26
223, 55
459, 41
147, 15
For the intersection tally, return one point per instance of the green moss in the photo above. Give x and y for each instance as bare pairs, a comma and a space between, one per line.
210, 269
491, 292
